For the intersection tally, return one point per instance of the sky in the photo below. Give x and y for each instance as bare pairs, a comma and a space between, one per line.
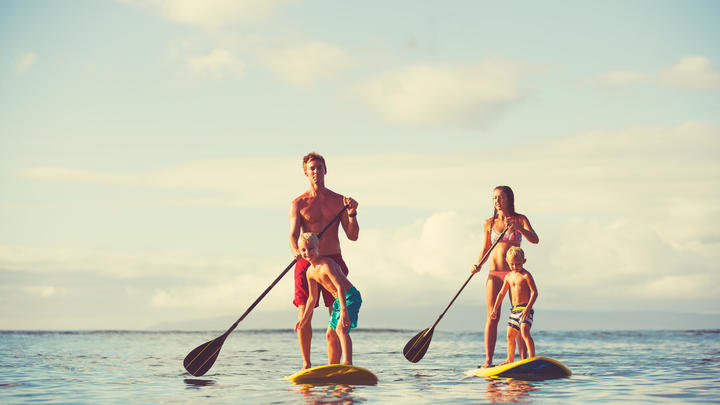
150, 149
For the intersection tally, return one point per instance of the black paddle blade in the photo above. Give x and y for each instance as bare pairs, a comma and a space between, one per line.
199, 361
417, 346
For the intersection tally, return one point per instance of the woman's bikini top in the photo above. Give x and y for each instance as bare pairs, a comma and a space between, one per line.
515, 236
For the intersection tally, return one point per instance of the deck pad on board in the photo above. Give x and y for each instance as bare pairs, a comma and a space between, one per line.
534, 368
334, 374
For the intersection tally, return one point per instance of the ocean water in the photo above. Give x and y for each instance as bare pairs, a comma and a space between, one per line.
146, 367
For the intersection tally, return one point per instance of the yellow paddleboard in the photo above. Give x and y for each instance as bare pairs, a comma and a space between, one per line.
334, 374
534, 368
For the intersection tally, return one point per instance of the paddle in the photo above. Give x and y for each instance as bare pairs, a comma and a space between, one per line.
417, 346
200, 359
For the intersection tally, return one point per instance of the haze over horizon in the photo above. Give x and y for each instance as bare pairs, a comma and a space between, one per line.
149, 152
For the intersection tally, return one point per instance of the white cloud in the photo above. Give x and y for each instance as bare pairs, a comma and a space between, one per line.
468, 95
589, 171
223, 293
46, 291
618, 78
627, 211
302, 65
118, 264
237, 178
24, 62
692, 72
625, 261
211, 14
218, 63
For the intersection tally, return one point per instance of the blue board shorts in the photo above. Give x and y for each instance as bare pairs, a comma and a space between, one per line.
515, 312
352, 301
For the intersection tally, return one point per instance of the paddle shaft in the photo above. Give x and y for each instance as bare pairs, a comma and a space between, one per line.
270, 287
485, 256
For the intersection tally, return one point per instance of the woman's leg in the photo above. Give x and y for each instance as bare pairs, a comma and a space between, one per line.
492, 288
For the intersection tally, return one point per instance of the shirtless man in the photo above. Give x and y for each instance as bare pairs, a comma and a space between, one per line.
523, 294
325, 273
310, 212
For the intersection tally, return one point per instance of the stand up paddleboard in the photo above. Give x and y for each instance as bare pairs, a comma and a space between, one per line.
534, 368
334, 374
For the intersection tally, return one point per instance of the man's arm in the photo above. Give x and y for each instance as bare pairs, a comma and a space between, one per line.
294, 229
349, 219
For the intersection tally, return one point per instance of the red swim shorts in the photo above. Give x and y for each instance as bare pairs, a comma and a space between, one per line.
301, 284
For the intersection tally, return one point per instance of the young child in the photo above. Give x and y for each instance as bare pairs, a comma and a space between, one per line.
523, 294
325, 272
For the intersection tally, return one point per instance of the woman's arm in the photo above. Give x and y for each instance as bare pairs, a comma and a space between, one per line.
527, 230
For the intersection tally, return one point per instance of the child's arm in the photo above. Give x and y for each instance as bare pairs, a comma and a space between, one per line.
533, 296
310, 304
499, 298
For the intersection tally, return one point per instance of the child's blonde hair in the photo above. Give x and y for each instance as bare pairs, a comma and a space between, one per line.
514, 253
311, 240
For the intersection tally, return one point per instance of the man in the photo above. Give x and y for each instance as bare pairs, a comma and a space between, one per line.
310, 212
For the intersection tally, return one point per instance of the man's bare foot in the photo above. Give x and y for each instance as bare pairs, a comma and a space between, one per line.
487, 364
306, 366
506, 362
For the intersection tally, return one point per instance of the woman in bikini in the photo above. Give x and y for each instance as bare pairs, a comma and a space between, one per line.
518, 227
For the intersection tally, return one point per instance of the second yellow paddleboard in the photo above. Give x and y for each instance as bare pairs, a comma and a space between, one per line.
534, 368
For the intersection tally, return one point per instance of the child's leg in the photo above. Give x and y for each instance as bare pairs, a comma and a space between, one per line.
521, 346
334, 349
511, 336
529, 342
346, 344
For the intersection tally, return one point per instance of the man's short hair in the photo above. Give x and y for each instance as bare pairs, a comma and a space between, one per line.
314, 156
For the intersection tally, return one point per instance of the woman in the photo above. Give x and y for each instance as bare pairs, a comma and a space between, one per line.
518, 228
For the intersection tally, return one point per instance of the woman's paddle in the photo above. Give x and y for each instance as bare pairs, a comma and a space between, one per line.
417, 346
200, 359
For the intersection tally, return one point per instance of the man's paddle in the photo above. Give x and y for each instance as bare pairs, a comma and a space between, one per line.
417, 346
200, 359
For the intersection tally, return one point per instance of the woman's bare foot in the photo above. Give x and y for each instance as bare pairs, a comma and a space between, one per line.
505, 362
487, 364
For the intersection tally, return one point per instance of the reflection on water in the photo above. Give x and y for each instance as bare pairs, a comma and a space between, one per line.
509, 390
328, 394
195, 382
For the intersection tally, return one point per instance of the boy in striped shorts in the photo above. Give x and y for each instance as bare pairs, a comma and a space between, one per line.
523, 294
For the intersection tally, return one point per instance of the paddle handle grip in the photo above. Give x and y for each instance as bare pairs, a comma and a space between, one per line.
485, 256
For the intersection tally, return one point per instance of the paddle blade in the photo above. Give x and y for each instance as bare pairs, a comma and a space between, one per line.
417, 346
200, 359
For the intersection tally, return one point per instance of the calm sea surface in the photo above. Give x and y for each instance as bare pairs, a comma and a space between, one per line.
146, 367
